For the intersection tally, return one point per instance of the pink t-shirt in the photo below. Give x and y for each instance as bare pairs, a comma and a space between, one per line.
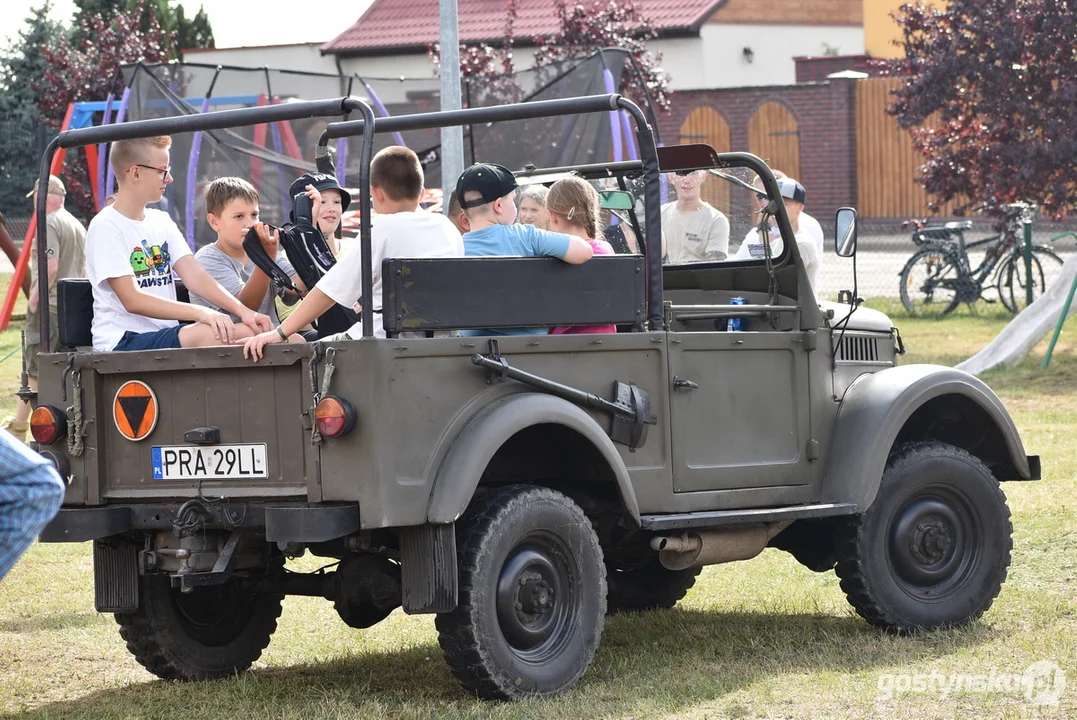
600, 247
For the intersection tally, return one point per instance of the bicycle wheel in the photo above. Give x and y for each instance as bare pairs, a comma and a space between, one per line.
1013, 279
929, 282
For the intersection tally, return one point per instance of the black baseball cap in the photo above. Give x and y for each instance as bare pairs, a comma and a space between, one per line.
321, 181
793, 190
490, 180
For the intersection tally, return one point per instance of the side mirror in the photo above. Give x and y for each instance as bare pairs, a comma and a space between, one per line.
616, 200
845, 236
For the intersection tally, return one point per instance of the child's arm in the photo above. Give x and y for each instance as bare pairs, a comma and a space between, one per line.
579, 251
202, 284
137, 302
309, 309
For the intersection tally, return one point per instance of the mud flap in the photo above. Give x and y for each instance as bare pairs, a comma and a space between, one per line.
115, 576
428, 568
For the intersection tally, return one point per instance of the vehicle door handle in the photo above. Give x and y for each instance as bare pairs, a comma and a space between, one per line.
679, 383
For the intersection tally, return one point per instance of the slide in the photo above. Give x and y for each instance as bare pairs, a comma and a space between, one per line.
1029, 327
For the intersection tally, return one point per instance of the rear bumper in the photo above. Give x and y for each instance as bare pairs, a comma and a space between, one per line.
282, 522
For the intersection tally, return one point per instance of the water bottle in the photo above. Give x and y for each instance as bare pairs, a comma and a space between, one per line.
736, 324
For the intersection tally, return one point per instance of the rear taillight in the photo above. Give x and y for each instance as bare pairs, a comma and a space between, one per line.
334, 416
48, 425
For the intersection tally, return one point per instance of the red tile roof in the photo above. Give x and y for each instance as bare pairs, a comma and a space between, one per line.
392, 25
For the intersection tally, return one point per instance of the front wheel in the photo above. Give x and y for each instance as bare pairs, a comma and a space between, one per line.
532, 598
931, 282
211, 632
933, 548
1013, 276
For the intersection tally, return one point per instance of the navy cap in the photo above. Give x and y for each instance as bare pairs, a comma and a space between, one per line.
321, 181
793, 190
490, 180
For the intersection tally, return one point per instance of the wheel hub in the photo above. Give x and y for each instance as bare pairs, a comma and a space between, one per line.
930, 544
529, 599
536, 595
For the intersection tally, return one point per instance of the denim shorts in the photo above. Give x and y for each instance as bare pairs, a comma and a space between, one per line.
164, 339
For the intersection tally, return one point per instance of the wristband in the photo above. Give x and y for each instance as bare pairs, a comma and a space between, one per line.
282, 335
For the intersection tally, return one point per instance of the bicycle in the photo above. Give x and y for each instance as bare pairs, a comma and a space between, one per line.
940, 276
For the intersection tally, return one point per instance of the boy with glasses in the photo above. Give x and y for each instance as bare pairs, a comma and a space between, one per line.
134, 253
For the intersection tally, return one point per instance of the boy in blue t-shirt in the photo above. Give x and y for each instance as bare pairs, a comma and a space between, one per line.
487, 196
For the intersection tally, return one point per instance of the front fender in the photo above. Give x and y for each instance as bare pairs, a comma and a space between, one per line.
874, 410
491, 427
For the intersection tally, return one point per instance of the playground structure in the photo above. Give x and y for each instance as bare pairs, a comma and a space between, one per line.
1030, 326
272, 155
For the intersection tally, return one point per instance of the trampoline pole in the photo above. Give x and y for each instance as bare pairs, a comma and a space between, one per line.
102, 195
382, 110
121, 113
192, 180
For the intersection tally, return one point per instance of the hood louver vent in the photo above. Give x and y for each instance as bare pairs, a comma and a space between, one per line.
858, 349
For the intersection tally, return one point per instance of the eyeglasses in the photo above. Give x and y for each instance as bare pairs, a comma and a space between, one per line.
166, 172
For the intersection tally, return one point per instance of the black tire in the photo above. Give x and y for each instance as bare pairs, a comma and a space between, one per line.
1012, 281
646, 586
532, 598
933, 548
931, 281
209, 633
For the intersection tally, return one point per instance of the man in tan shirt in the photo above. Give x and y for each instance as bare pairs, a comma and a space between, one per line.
66, 253
694, 231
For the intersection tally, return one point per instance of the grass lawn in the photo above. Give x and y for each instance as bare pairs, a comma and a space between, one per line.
760, 639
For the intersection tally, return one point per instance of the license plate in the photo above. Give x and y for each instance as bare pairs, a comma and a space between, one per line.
210, 462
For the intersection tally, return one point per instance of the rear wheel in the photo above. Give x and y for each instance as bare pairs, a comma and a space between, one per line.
532, 598
930, 282
1013, 277
933, 548
211, 632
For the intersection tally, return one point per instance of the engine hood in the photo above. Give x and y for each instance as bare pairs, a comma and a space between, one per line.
863, 318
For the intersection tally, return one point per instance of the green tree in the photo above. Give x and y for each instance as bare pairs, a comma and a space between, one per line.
193, 33
22, 135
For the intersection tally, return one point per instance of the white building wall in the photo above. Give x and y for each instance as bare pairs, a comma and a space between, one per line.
305, 57
716, 59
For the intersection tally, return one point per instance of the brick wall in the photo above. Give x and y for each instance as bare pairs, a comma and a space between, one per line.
825, 115
818, 12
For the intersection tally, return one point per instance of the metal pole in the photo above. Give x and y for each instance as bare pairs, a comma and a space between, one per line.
452, 138
1028, 261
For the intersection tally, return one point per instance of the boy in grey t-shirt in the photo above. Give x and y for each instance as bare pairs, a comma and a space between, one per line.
232, 209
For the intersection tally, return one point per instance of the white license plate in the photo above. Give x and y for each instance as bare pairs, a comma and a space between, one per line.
210, 462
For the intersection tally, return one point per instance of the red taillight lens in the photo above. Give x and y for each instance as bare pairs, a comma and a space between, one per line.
48, 425
334, 416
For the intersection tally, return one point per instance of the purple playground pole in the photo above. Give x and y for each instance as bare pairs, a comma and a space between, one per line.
342, 161
376, 102
101, 149
120, 115
286, 203
615, 127
630, 142
192, 179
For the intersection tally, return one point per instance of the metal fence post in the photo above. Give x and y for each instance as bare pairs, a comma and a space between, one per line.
1028, 261
452, 138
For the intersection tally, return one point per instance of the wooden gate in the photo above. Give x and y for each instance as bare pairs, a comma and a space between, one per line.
774, 136
886, 161
706, 125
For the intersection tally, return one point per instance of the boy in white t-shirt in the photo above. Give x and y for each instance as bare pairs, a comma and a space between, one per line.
793, 195
399, 228
133, 255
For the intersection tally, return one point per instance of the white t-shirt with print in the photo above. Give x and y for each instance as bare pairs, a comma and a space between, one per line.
752, 249
811, 226
117, 246
419, 234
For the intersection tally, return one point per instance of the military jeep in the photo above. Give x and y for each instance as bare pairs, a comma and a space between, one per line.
522, 487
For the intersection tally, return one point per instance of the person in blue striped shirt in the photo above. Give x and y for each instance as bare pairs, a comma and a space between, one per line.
31, 492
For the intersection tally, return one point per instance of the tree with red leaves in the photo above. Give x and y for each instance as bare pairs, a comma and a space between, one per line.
87, 69
1002, 77
587, 28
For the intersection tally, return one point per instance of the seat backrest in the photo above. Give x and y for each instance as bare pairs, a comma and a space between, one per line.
421, 294
74, 308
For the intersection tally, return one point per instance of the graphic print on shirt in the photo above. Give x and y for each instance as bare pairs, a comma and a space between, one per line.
151, 265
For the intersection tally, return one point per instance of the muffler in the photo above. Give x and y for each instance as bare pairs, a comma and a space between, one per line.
711, 547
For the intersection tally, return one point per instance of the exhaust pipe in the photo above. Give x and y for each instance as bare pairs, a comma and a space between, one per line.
711, 547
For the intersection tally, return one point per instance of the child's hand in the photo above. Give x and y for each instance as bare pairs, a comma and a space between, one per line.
315, 204
271, 242
252, 347
223, 329
256, 321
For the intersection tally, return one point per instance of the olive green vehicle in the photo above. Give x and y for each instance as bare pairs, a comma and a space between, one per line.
522, 487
